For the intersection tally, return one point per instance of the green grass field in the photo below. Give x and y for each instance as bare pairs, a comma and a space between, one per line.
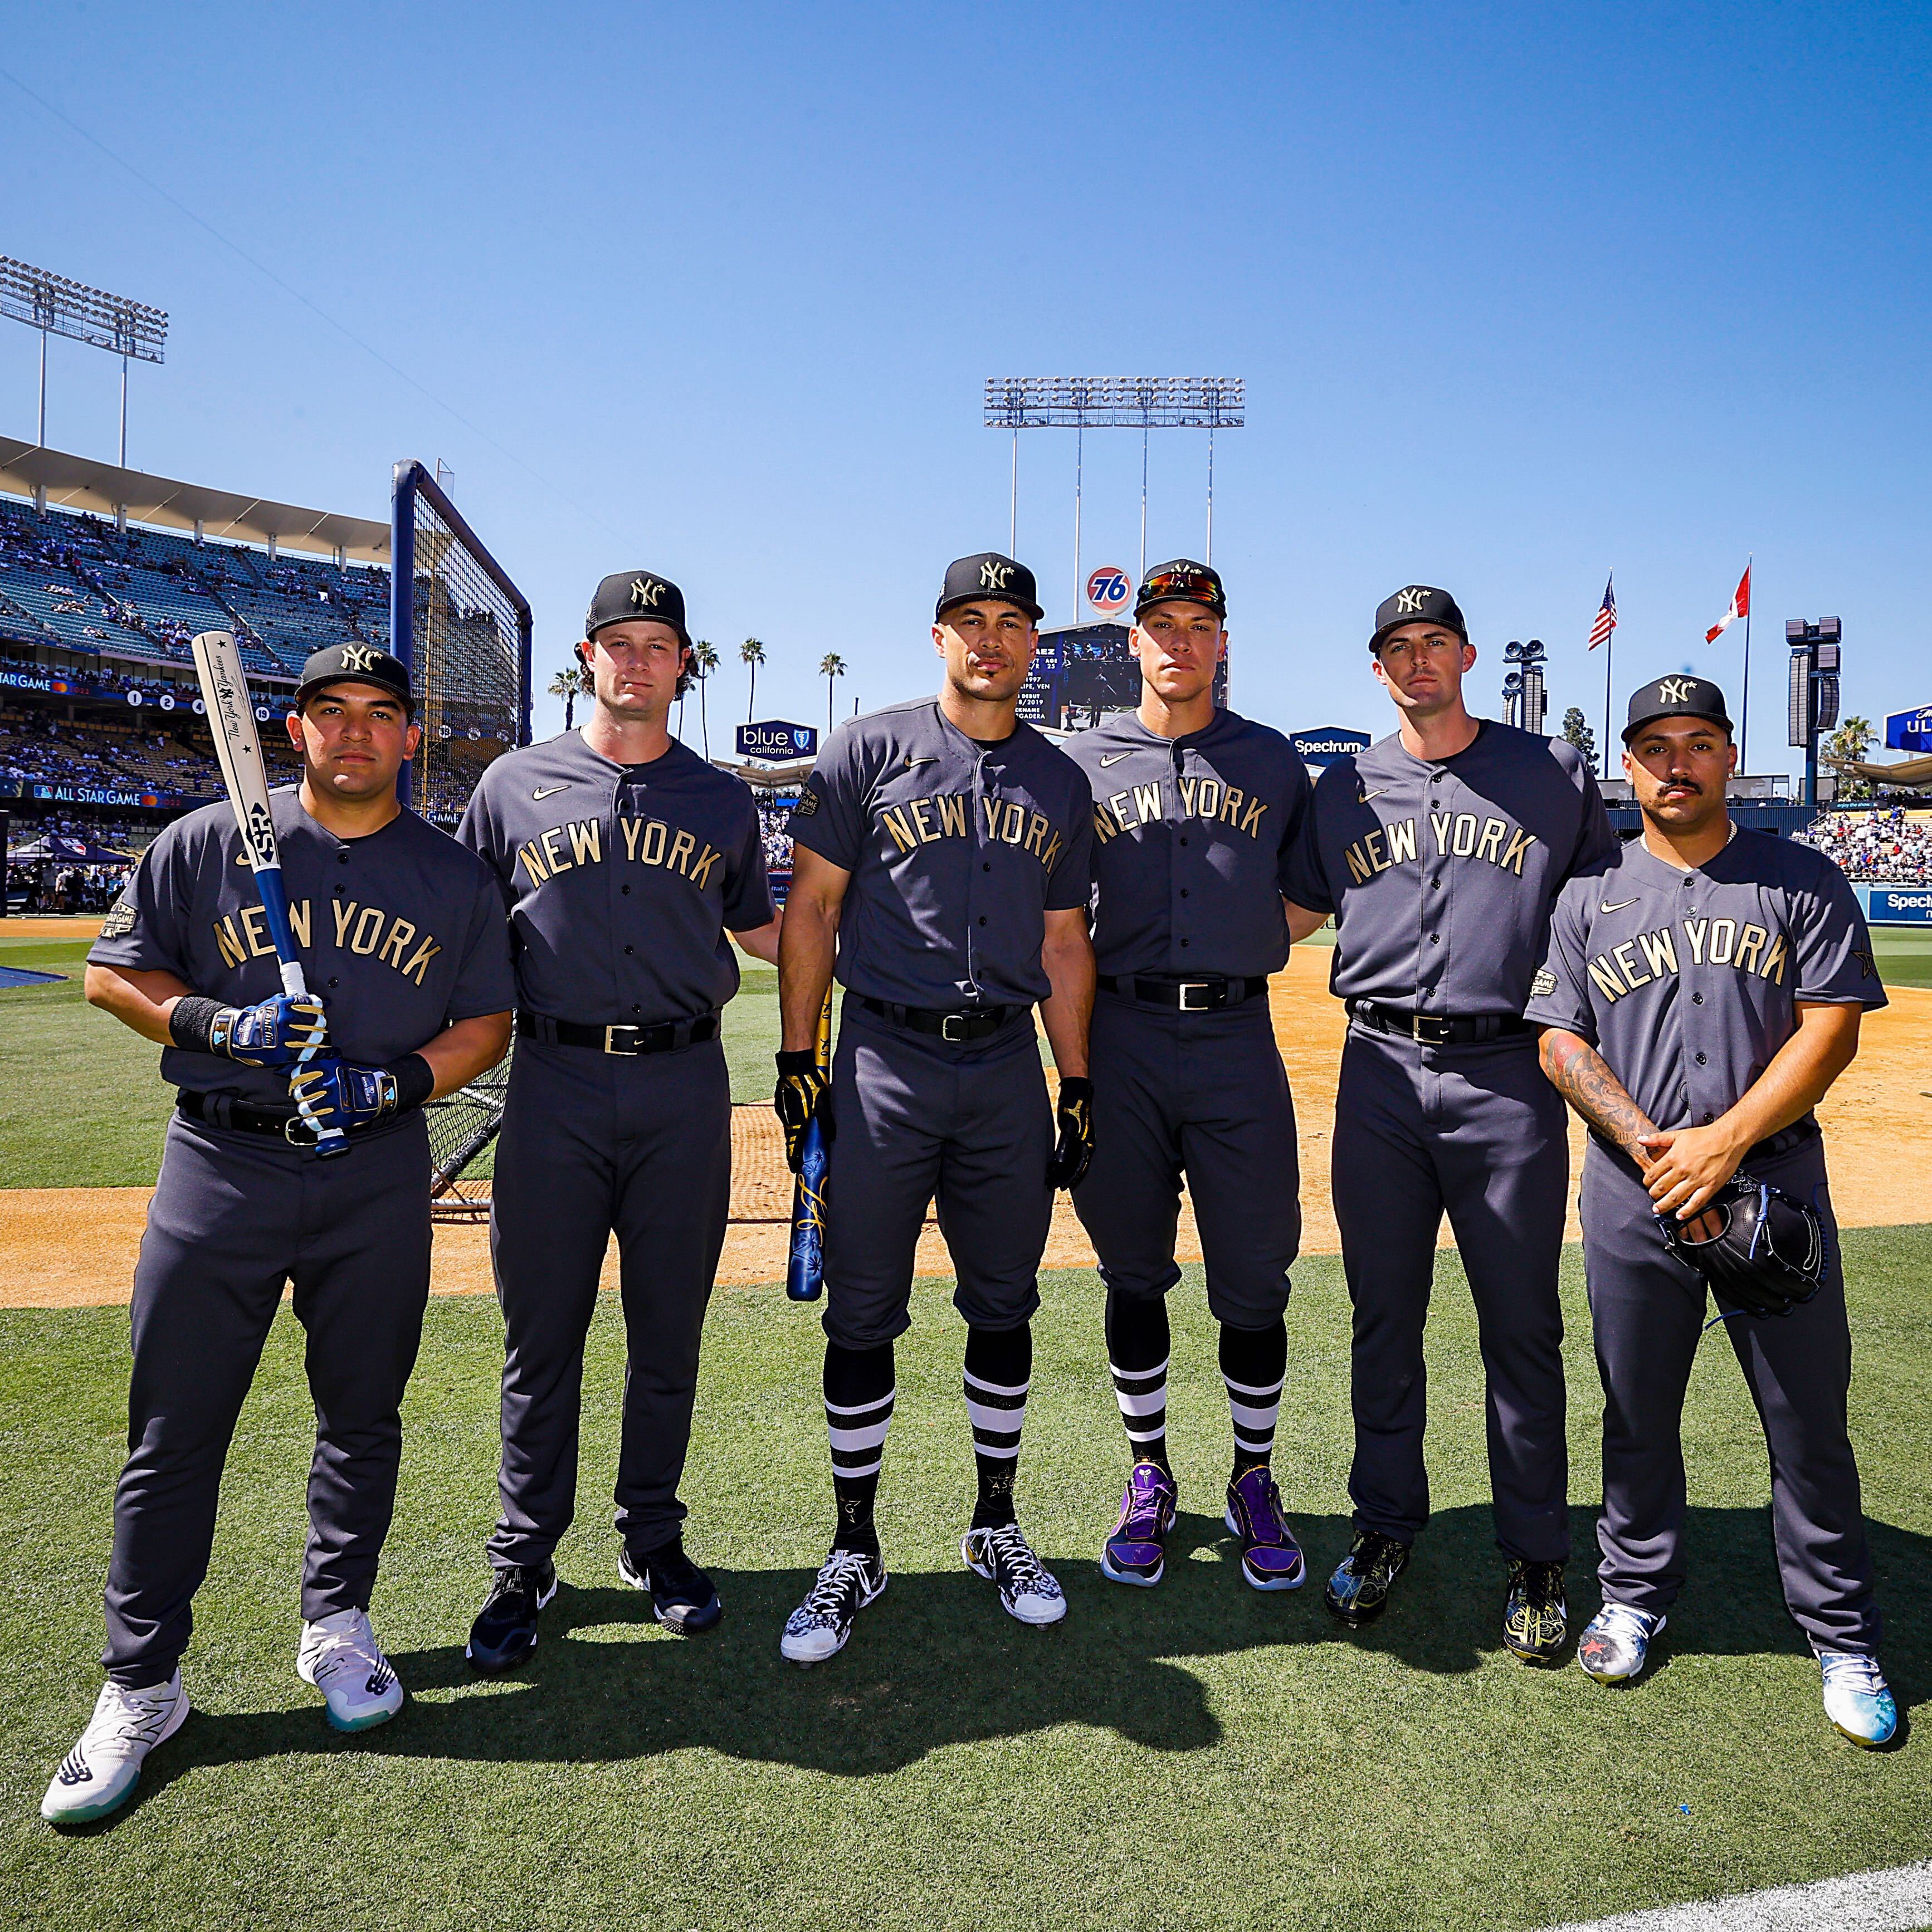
1194, 1756
1197, 1755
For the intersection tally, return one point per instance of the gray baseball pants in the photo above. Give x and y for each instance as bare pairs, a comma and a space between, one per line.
593, 1143
1204, 1094
1478, 1131
915, 1119
235, 1218
1648, 1311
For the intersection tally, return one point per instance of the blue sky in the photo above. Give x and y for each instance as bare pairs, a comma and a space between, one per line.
1521, 296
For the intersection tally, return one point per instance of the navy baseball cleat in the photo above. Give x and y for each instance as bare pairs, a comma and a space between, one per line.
682, 1598
1359, 1590
505, 1632
1136, 1550
1270, 1558
847, 1580
1536, 1618
99, 1775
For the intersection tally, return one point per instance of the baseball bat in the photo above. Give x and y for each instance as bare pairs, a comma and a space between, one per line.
231, 717
804, 1268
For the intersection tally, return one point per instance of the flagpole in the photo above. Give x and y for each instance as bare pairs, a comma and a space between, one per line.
1743, 708
1609, 647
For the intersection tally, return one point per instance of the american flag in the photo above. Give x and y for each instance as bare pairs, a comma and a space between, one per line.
1606, 616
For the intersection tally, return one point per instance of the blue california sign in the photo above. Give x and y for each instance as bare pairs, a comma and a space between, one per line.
1910, 731
777, 740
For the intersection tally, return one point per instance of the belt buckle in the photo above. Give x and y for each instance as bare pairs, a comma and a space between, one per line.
303, 1140
947, 1022
1205, 1005
611, 1033
1418, 1022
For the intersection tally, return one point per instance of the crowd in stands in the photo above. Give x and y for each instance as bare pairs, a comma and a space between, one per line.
1881, 847
77, 582
107, 754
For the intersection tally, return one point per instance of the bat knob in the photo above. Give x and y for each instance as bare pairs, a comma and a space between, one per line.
331, 1148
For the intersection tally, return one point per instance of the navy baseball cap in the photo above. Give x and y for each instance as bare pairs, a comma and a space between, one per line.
636, 594
354, 663
989, 575
1683, 696
1417, 604
1183, 581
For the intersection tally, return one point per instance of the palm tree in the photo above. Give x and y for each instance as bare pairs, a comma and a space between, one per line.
569, 685
753, 653
704, 662
830, 666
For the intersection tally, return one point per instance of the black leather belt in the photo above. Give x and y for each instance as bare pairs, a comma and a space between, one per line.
956, 1029
1208, 994
1436, 1029
244, 1117
664, 1036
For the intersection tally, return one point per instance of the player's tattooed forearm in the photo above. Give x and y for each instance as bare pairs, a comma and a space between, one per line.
1578, 1072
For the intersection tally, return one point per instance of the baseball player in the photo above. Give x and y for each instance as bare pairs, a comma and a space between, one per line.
945, 844
400, 935
1195, 810
1440, 851
1702, 990
626, 859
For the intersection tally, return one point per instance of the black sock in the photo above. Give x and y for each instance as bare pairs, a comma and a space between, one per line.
859, 1393
1254, 1365
999, 1371
1137, 1354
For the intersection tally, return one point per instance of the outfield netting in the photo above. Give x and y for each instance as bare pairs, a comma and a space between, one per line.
463, 629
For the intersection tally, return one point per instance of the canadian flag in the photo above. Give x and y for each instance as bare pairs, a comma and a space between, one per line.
1740, 608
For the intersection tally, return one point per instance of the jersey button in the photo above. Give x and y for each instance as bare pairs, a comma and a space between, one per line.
987, 865
333, 984
1701, 1059
982, 919
1183, 841
1183, 892
630, 948
1436, 939
1186, 942
627, 889
1436, 885
1697, 999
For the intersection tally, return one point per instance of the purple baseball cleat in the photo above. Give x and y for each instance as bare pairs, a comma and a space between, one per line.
1270, 1557
1136, 1552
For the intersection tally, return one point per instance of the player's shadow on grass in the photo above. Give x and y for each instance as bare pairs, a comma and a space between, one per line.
935, 1662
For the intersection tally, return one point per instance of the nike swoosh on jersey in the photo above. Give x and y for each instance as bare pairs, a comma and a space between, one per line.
1113, 758
548, 791
1603, 905
1367, 795
929, 760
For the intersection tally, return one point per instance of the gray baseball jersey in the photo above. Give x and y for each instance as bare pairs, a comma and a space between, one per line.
1191, 843
401, 934
1441, 875
622, 880
956, 849
1687, 982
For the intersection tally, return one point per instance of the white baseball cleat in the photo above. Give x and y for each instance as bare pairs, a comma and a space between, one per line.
1857, 1699
340, 1657
98, 1775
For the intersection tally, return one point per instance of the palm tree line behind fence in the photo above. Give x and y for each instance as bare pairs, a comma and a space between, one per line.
830, 666
753, 654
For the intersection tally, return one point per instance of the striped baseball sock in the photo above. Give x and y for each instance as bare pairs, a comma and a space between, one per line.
999, 1372
1137, 1350
858, 1395
1254, 1365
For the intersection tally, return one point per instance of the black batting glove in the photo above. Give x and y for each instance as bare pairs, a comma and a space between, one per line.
803, 1095
1074, 1147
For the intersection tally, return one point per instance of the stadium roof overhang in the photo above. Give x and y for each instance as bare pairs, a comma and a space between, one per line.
81, 483
769, 777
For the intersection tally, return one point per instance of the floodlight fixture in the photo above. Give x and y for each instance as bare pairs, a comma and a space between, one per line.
57, 306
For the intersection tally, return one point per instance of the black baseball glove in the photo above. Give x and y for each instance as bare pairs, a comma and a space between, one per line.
1074, 1147
1767, 1255
804, 1095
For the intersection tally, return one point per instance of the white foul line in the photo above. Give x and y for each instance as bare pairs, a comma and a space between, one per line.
1898, 1899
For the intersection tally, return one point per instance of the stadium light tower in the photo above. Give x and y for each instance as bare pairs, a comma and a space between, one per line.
1813, 703
1081, 402
55, 306
1523, 700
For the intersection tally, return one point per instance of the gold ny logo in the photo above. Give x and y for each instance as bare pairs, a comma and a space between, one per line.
993, 576
1674, 690
1412, 600
359, 657
645, 591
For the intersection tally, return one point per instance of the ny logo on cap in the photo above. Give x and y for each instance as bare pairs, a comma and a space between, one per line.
1411, 599
359, 657
645, 591
993, 576
1674, 690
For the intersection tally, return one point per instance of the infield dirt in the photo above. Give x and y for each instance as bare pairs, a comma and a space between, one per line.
68, 1247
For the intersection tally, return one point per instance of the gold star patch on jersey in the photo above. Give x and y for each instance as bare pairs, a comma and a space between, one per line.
1868, 963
